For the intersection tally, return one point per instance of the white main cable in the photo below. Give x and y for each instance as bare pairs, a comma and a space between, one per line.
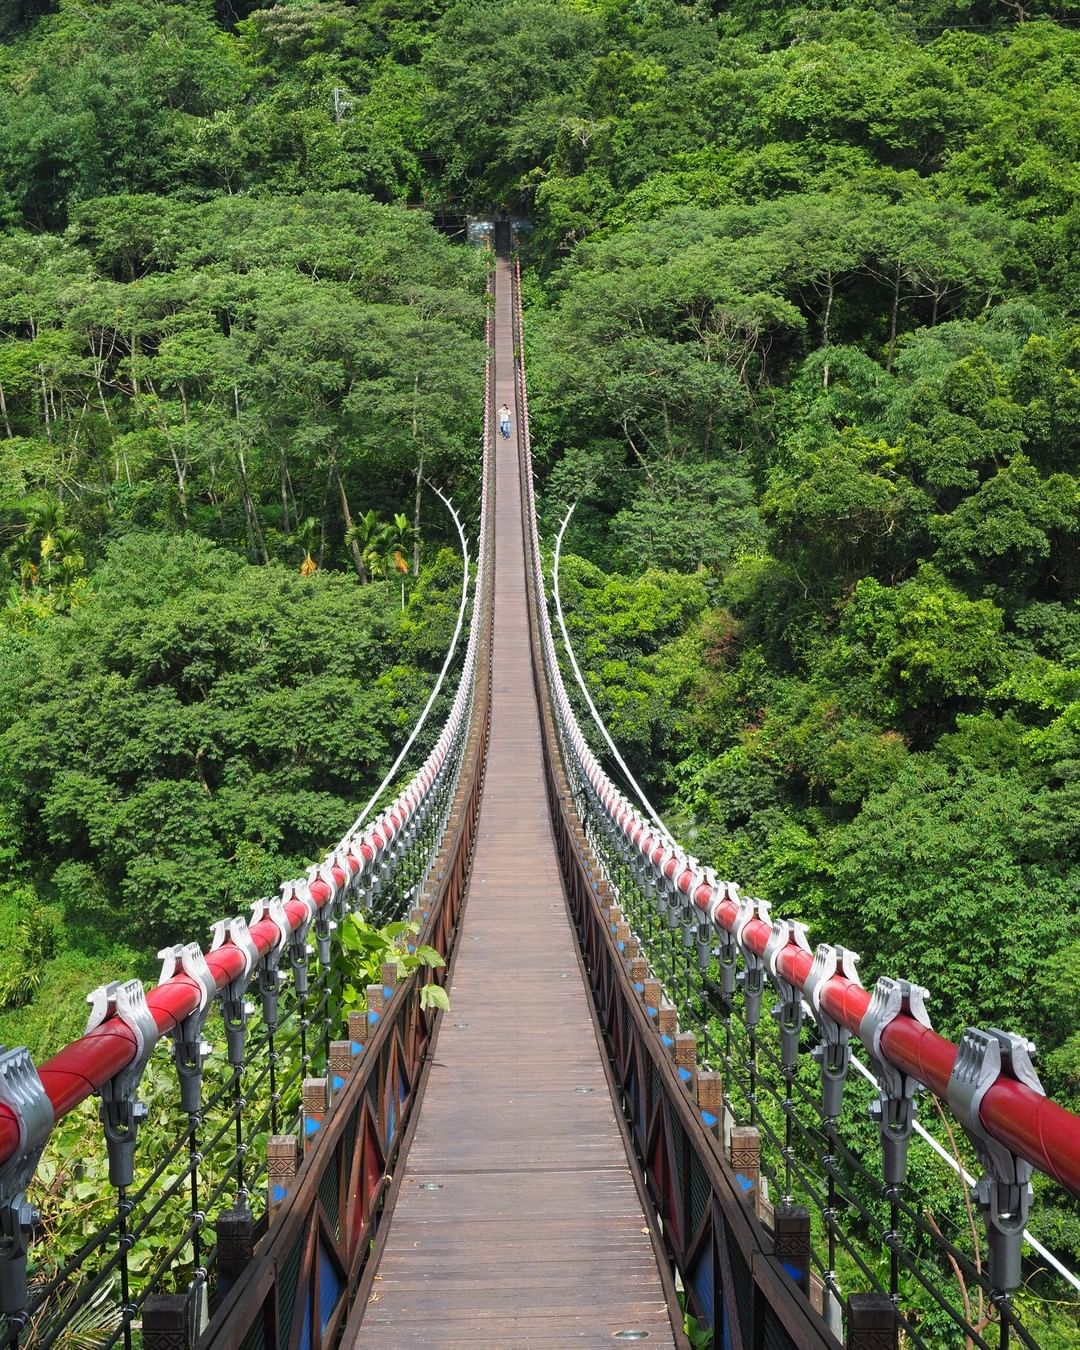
354, 828
654, 815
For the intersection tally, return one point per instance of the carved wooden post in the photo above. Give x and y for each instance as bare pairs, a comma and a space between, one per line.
791, 1235
389, 972
710, 1098
638, 970
746, 1159
314, 1096
686, 1056
165, 1322
667, 1023
871, 1322
235, 1230
650, 994
375, 1004
357, 1032
280, 1169
339, 1066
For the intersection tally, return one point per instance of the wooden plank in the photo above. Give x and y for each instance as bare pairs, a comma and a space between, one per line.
535, 1233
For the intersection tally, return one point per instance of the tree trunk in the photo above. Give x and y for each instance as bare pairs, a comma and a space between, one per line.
322, 515
419, 476
4, 412
45, 403
830, 292
284, 492
251, 516
354, 547
893, 320
416, 519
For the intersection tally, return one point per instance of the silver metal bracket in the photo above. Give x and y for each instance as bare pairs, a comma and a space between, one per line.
21, 1090
362, 879
235, 1008
189, 1049
727, 952
121, 1114
894, 1111
325, 920
299, 951
752, 978
833, 1053
1003, 1193
269, 976
789, 1010
340, 858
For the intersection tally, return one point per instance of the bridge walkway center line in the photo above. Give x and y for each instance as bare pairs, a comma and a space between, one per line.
535, 1235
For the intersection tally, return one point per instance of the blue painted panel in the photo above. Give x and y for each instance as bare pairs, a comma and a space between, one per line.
305, 1331
390, 1123
329, 1287
701, 1281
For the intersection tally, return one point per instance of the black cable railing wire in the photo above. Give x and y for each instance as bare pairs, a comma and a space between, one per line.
805, 1157
209, 1148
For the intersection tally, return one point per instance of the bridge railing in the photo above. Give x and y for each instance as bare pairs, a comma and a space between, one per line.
720, 955
270, 988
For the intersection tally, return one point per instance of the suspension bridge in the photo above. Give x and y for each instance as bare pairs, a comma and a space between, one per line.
649, 1101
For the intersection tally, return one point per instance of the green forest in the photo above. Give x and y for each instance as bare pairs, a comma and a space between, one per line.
803, 343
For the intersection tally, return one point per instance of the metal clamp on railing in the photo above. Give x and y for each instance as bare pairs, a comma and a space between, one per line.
350, 890
325, 918
269, 976
704, 938
752, 978
728, 950
789, 1011
834, 1052
688, 917
894, 1110
189, 1049
235, 1009
121, 1114
21, 1090
1003, 1192
299, 951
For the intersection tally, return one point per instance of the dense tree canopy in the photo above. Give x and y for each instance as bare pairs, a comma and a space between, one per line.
804, 345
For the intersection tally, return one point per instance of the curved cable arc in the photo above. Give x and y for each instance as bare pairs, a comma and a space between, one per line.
569, 649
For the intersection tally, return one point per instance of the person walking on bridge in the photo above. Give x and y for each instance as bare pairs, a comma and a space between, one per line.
504, 422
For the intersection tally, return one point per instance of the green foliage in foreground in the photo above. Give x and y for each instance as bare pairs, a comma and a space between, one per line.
195, 731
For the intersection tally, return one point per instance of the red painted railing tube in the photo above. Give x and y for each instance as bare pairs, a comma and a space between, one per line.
85, 1065
1032, 1126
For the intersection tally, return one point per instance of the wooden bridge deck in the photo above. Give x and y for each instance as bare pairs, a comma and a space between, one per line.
535, 1235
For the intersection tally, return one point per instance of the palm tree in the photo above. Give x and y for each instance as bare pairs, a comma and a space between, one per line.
305, 535
399, 538
370, 535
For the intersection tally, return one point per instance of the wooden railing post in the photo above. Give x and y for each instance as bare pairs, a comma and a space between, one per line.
871, 1322
165, 1322
710, 1098
338, 1066
280, 1169
235, 1230
791, 1235
746, 1159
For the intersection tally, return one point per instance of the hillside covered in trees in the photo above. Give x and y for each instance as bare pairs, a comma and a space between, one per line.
803, 342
